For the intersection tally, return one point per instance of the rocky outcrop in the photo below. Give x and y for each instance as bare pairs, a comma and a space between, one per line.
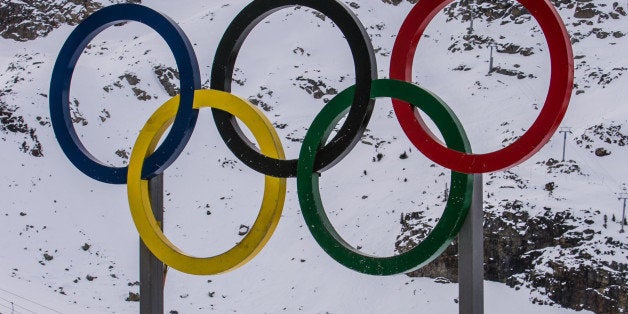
11, 120
600, 288
29, 19
520, 249
599, 139
396, 2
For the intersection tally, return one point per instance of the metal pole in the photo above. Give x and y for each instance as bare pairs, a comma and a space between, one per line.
471, 255
565, 130
564, 144
471, 26
471, 13
623, 217
490, 64
151, 268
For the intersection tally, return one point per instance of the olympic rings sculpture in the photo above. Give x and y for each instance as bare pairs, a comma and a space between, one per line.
357, 102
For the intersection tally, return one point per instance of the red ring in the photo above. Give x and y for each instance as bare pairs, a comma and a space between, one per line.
558, 95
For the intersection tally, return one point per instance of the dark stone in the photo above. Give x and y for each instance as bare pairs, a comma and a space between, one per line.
512, 251
166, 75
601, 152
133, 297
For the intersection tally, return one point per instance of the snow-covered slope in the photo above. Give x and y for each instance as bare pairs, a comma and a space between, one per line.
69, 243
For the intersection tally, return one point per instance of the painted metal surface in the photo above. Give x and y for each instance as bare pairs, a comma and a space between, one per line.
59, 99
148, 160
152, 270
454, 214
471, 255
362, 105
539, 133
139, 198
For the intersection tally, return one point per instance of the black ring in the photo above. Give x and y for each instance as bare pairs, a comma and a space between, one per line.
185, 120
359, 113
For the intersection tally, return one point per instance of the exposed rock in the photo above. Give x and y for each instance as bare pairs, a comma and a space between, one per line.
141, 94
48, 257
601, 289
396, 2
29, 19
516, 49
555, 166
514, 243
520, 75
133, 297
258, 100
122, 154
244, 229
586, 11
166, 75
11, 121
602, 134
317, 88
601, 152
131, 78
550, 186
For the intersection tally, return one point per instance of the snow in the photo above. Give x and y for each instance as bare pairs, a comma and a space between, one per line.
64, 209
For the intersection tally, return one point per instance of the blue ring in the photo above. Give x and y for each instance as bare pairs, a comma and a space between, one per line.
185, 119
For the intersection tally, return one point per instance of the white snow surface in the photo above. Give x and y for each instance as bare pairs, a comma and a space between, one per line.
48, 206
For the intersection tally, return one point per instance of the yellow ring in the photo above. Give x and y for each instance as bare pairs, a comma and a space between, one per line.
139, 201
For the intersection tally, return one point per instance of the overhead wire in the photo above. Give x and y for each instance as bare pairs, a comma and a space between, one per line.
29, 300
12, 309
14, 304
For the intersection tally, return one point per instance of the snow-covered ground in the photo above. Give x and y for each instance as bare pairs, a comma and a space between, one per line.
60, 227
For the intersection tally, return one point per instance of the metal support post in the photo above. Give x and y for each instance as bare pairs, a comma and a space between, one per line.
623, 215
471, 25
151, 268
471, 16
565, 130
471, 255
492, 45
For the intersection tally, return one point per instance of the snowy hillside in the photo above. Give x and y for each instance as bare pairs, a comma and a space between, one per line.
69, 244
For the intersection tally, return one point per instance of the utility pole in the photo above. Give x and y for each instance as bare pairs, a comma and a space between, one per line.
490, 62
623, 197
565, 130
471, 16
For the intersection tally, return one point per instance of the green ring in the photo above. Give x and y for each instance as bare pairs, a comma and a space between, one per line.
461, 187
